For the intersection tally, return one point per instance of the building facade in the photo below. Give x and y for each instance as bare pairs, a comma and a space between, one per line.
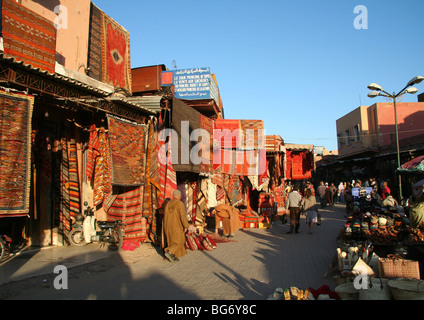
370, 130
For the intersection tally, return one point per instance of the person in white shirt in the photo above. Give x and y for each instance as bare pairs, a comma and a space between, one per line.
341, 192
293, 205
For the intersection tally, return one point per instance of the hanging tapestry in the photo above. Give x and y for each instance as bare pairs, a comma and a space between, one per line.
127, 147
116, 54
241, 162
239, 134
189, 201
167, 174
95, 44
128, 208
253, 133
102, 187
70, 204
234, 191
192, 212
65, 210
288, 172
152, 154
74, 189
15, 153
28, 37
218, 177
109, 50
201, 203
220, 195
301, 164
206, 145
151, 171
227, 133
92, 152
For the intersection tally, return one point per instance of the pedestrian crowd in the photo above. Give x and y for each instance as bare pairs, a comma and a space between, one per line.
305, 200
300, 199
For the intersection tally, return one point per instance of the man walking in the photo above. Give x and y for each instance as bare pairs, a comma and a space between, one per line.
293, 205
321, 192
175, 225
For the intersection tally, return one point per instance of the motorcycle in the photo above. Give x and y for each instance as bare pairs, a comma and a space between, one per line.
85, 232
5, 242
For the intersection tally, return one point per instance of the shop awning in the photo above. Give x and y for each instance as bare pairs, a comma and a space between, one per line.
414, 165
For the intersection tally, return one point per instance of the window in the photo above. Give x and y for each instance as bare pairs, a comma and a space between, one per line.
356, 135
347, 137
339, 141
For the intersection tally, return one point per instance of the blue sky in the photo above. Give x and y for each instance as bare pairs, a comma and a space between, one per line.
297, 65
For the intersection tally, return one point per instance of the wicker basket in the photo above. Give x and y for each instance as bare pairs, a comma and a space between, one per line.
397, 267
378, 289
347, 291
407, 289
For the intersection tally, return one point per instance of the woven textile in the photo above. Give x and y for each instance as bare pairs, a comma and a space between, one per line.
127, 207
70, 201
109, 50
241, 162
253, 133
227, 133
206, 145
299, 164
65, 211
189, 200
127, 147
28, 37
74, 188
95, 44
167, 174
152, 172
102, 171
240, 134
238, 146
201, 203
234, 191
116, 54
15, 153
92, 152
220, 195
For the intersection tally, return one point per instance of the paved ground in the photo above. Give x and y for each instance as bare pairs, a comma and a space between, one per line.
250, 268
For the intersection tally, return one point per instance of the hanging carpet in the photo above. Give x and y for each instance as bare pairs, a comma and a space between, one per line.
167, 174
28, 37
109, 51
127, 147
127, 207
70, 186
15, 153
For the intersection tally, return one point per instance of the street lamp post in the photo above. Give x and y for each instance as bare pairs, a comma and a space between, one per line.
378, 91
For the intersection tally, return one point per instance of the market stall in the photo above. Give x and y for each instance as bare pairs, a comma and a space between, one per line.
377, 254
